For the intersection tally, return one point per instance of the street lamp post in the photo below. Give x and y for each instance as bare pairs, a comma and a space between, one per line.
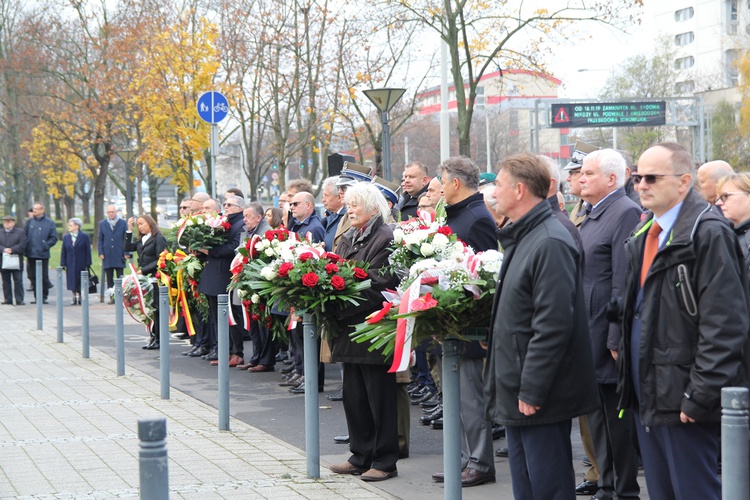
128, 155
384, 100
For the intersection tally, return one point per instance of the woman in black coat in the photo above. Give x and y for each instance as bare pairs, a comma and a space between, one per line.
369, 390
149, 244
75, 257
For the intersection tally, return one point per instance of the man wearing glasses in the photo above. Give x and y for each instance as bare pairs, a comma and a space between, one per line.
684, 329
305, 220
185, 207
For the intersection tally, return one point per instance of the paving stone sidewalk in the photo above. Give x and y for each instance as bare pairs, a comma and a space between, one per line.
68, 429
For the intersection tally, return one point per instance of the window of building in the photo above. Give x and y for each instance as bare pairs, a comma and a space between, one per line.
684, 39
684, 62
685, 87
732, 16
685, 14
730, 67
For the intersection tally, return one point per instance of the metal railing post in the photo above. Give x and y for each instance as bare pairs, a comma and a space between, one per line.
85, 313
223, 355
59, 305
312, 412
735, 443
164, 339
39, 295
152, 458
451, 419
119, 327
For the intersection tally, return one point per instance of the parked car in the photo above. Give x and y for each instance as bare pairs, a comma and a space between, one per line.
170, 212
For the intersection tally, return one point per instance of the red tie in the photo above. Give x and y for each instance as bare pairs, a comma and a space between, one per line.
650, 249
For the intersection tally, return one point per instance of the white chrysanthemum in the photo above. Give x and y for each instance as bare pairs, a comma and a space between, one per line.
255, 298
268, 273
426, 249
440, 241
398, 235
189, 222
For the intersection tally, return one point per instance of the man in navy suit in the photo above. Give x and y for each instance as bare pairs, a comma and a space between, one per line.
111, 245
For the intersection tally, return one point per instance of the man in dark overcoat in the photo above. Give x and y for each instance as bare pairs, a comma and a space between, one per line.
12, 242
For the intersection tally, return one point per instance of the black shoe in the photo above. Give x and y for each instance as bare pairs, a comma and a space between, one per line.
288, 369
281, 356
425, 397
20, 303
437, 424
300, 389
152, 346
212, 356
6, 303
586, 488
200, 352
427, 419
498, 431
503, 452
30, 289
417, 390
45, 301
431, 403
183, 336
341, 439
336, 396
190, 351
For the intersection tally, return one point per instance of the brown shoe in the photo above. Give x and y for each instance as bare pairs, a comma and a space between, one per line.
473, 477
246, 366
261, 368
235, 360
346, 468
377, 475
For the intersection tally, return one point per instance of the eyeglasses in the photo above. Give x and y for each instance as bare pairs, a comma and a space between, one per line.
723, 196
229, 205
651, 178
185, 208
295, 203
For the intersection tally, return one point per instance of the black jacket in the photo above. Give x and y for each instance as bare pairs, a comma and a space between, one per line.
409, 204
539, 350
148, 253
373, 247
216, 274
694, 318
743, 235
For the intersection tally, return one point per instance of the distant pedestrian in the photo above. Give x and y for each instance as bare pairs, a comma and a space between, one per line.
41, 235
12, 242
112, 245
75, 257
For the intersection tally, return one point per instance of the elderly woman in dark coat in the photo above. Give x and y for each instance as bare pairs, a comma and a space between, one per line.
369, 390
75, 257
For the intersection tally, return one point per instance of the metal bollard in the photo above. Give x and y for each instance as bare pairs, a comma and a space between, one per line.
451, 419
59, 305
119, 327
735, 444
312, 412
223, 339
39, 295
152, 458
85, 340
164, 340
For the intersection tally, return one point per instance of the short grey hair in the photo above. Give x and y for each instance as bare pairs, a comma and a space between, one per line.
554, 168
463, 169
369, 198
256, 207
329, 185
237, 200
76, 221
610, 162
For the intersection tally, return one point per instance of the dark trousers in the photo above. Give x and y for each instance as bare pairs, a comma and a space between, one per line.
264, 347
213, 321
541, 461
370, 408
680, 460
199, 325
476, 429
45, 276
236, 333
109, 274
13, 285
423, 369
613, 440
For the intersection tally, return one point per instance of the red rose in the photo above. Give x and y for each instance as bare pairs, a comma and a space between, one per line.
445, 230
261, 307
284, 269
360, 273
332, 268
226, 225
158, 275
163, 265
270, 234
255, 317
247, 303
338, 283
332, 257
305, 256
310, 280
282, 234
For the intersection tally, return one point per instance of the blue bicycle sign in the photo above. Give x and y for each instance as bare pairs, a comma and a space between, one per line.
212, 107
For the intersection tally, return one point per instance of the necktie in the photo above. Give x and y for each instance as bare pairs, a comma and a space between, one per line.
650, 249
